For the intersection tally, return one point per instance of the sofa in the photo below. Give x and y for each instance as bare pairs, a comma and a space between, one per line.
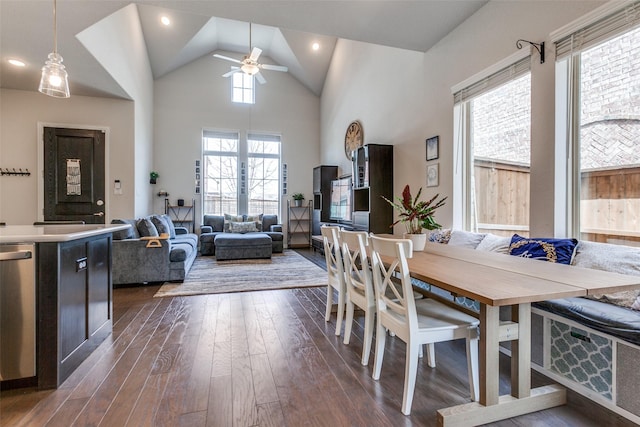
166, 259
241, 236
589, 344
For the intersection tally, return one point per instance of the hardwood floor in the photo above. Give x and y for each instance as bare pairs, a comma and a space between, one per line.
253, 359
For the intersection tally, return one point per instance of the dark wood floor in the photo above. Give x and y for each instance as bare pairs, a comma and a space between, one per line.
253, 359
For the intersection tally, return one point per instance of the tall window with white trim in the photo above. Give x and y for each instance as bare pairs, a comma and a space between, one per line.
220, 172
493, 141
263, 185
243, 86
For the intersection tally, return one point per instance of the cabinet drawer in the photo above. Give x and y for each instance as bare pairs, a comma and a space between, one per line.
581, 356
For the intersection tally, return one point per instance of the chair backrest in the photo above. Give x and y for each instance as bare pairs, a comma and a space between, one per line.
393, 294
356, 264
332, 255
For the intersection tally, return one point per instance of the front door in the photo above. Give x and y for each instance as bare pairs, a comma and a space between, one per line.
74, 175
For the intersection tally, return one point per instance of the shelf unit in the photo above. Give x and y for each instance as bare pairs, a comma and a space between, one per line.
322, 177
182, 216
372, 178
299, 225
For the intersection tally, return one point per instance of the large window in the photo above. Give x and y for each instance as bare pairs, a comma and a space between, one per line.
241, 175
243, 88
494, 144
602, 77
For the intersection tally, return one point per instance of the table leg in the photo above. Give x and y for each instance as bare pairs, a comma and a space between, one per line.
521, 351
489, 354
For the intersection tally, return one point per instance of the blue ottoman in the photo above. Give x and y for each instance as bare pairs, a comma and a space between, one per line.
242, 246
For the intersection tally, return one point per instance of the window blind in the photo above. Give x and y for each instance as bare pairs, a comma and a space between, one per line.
599, 31
263, 137
494, 80
219, 134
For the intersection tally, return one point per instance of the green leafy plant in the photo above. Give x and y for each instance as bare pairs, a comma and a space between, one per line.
297, 196
154, 175
416, 214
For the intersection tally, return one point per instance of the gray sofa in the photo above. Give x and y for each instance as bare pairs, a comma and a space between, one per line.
242, 245
134, 262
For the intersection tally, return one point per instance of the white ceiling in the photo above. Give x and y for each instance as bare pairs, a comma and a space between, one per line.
284, 30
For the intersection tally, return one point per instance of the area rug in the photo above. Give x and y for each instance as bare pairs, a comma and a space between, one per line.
282, 271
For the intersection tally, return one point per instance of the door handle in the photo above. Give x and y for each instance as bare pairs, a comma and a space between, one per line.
99, 214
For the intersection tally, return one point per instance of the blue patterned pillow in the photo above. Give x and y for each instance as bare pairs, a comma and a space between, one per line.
552, 250
243, 227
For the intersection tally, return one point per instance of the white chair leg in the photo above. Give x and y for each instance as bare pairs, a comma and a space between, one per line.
381, 336
369, 319
420, 352
410, 373
431, 355
341, 304
327, 314
472, 366
348, 323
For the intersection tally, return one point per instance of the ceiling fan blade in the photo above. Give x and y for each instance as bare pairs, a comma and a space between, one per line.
274, 67
233, 71
255, 54
227, 58
260, 78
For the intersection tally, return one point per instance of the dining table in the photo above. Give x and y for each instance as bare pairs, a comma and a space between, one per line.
495, 280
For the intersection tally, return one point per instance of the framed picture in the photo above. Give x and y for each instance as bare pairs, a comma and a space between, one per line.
432, 147
432, 175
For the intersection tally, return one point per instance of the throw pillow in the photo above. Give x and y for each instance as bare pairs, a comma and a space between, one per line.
242, 227
146, 228
552, 250
440, 236
231, 218
161, 225
257, 219
493, 243
467, 239
129, 233
172, 228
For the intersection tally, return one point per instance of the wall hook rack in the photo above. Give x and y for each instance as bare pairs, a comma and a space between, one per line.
14, 172
539, 47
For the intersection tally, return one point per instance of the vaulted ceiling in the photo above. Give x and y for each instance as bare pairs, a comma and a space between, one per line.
284, 30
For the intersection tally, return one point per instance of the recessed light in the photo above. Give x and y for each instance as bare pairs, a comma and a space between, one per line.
315, 46
16, 62
165, 20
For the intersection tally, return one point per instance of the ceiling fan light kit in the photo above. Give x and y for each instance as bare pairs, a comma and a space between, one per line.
249, 64
54, 81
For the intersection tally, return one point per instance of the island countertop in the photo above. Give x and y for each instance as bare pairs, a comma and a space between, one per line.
54, 233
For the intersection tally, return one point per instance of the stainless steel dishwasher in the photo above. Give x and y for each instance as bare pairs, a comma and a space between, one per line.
17, 311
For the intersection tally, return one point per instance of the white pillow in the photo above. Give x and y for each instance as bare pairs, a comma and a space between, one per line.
493, 243
242, 227
466, 239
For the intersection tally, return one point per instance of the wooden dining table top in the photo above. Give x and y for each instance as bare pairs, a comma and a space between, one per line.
497, 279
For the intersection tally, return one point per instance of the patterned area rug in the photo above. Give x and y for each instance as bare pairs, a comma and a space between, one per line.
282, 271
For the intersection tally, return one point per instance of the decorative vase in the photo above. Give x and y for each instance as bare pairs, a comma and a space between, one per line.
419, 240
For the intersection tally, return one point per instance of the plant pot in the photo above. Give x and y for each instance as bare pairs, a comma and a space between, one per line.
152, 180
297, 203
419, 241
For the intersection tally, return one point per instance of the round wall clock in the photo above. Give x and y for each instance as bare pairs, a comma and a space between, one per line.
353, 139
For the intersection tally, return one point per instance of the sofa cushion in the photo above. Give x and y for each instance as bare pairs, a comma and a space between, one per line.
466, 239
255, 218
231, 218
242, 227
617, 258
216, 222
493, 243
130, 233
172, 227
161, 224
552, 250
146, 228
268, 221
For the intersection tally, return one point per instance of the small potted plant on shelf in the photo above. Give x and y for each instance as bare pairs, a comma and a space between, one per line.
153, 176
298, 198
416, 215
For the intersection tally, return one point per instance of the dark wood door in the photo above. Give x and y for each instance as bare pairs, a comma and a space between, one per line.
74, 174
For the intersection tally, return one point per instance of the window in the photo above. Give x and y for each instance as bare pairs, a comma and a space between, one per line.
601, 75
241, 175
242, 90
493, 139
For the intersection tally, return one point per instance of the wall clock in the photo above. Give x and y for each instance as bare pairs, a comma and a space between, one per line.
353, 139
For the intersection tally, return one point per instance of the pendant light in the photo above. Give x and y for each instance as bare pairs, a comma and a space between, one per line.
54, 77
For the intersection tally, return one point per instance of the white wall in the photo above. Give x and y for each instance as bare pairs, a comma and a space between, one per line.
20, 112
411, 111
196, 97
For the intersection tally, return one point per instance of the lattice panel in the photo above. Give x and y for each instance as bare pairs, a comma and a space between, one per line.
583, 357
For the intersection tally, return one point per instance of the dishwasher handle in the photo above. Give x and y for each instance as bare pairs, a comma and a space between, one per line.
16, 255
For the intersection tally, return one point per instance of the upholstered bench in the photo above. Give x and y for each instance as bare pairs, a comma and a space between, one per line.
242, 246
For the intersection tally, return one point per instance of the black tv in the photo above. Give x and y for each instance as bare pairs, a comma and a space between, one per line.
340, 199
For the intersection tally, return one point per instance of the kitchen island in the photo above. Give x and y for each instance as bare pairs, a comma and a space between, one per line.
62, 297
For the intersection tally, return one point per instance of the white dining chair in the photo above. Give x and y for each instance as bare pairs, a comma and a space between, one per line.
416, 322
359, 285
335, 272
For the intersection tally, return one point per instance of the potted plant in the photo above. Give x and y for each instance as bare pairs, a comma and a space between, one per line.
297, 199
416, 215
153, 176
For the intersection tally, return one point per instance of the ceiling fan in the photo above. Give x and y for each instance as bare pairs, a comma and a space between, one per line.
249, 64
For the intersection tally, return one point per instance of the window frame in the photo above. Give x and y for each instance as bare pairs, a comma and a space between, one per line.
243, 87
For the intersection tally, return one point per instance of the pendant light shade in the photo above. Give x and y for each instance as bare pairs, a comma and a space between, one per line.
54, 81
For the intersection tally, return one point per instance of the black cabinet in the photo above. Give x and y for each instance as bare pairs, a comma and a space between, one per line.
322, 177
372, 179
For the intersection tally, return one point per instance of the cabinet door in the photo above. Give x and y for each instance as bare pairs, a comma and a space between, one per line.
73, 297
98, 258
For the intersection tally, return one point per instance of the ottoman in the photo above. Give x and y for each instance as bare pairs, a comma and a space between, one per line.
242, 246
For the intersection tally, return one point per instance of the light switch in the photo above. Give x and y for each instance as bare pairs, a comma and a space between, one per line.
117, 187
